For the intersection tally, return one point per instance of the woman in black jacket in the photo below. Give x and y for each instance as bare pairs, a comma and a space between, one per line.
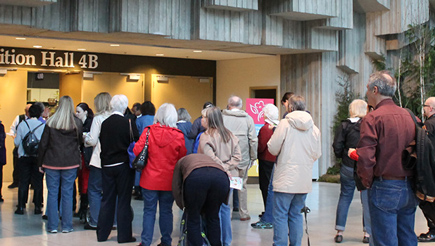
347, 136
86, 115
117, 176
59, 156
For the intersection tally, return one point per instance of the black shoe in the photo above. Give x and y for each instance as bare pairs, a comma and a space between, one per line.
19, 211
426, 237
163, 244
44, 217
366, 239
139, 198
1, 199
235, 209
338, 238
13, 185
38, 210
132, 239
89, 227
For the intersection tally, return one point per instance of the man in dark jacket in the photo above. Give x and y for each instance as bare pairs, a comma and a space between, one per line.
428, 208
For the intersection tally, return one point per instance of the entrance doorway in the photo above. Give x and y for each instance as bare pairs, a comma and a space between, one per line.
264, 92
42, 87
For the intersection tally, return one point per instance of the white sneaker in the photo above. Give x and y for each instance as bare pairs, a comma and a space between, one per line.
67, 231
52, 231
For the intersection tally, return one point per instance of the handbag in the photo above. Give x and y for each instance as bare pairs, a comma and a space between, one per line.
140, 161
131, 155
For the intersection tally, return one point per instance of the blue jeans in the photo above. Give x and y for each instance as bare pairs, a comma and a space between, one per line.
347, 188
268, 212
165, 199
287, 217
392, 212
95, 189
225, 219
53, 179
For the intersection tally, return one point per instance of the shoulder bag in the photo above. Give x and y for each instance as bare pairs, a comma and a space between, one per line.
140, 161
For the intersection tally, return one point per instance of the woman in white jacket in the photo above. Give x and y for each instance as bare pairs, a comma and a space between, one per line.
102, 106
296, 142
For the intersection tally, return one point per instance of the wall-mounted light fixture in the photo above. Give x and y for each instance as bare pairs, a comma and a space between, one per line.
202, 79
4, 71
132, 76
90, 75
162, 78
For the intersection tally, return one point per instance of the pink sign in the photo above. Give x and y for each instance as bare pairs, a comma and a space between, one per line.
254, 107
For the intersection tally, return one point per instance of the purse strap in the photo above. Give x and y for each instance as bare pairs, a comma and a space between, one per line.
148, 134
131, 131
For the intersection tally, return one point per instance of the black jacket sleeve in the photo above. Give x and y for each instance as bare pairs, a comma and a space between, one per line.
339, 140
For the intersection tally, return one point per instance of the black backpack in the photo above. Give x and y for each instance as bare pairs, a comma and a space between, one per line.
31, 142
421, 159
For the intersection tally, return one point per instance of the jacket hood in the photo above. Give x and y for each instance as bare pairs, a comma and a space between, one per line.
237, 113
300, 120
163, 135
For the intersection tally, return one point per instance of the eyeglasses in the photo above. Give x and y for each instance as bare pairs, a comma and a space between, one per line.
424, 105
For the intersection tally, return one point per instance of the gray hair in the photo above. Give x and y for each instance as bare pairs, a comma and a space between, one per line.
270, 111
183, 114
119, 103
384, 81
235, 102
297, 103
166, 115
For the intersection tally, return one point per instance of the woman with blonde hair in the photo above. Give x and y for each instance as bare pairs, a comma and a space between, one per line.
165, 148
102, 107
59, 156
347, 137
223, 147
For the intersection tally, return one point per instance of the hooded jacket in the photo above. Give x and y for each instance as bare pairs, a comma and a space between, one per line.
243, 127
165, 148
297, 143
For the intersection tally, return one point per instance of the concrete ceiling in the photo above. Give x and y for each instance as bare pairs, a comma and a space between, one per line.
125, 48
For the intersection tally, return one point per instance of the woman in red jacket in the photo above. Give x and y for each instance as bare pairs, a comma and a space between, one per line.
165, 147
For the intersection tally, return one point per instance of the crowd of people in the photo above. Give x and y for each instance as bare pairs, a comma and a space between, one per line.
195, 164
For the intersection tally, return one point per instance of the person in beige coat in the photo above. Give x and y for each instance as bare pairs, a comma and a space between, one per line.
296, 141
223, 147
243, 127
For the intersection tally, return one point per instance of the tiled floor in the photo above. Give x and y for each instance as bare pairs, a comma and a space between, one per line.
29, 229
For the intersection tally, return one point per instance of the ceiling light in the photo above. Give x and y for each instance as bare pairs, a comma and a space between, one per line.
114, 45
20, 38
81, 49
160, 54
37, 46
197, 51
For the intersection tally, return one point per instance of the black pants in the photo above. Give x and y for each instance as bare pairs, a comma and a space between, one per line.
205, 189
117, 181
1, 179
16, 171
29, 174
264, 173
428, 209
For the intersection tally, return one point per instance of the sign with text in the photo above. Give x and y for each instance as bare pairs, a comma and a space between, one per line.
254, 107
48, 59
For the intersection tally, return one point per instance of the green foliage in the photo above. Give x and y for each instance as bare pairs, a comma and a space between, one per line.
332, 175
334, 170
380, 64
417, 70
